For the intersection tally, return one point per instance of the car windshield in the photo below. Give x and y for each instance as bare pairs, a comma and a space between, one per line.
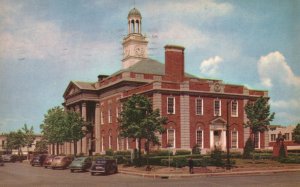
100, 161
79, 159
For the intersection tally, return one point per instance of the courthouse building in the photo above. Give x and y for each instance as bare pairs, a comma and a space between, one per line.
197, 109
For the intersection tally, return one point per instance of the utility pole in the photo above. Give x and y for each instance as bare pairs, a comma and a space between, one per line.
227, 138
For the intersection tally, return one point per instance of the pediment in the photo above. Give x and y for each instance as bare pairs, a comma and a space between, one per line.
71, 89
218, 120
218, 123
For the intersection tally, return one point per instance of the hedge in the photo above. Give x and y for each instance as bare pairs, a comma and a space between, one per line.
183, 152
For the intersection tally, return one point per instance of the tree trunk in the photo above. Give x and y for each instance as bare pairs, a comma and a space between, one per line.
75, 147
53, 149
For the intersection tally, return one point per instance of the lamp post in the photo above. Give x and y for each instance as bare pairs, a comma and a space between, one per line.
227, 139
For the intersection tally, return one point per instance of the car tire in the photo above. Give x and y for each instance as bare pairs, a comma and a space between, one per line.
72, 171
92, 173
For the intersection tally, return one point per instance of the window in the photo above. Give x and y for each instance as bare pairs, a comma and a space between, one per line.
109, 114
199, 106
110, 141
101, 118
199, 138
171, 138
234, 139
234, 108
293, 136
287, 136
171, 105
217, 108
273, 137
102, 143
257, 140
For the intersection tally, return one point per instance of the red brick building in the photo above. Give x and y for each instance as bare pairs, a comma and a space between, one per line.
197, 109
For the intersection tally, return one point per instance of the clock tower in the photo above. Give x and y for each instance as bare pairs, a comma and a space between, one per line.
134, 44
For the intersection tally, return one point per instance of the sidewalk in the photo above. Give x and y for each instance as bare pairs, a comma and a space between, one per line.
167, 173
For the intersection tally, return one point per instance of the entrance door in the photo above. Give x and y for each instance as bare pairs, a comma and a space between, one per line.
217, 138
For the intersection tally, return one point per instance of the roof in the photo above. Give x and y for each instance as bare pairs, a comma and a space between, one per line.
134, 12
148, 66
84, 85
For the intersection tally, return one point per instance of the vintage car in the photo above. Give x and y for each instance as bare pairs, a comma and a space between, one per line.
38, 160
48, 161
61, 162
104, 166
9, 158
81, 163
1, 161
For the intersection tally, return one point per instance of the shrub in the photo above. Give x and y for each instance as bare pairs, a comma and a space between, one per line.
196, 149
216, 157
179, 162
123, 153
290, 160
248, 149
282, 153
160, 153
183, 152
109, 152
80, 154
157, 160
236, 155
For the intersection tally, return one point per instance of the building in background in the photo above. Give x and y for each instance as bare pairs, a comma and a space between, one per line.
24, 150
287, 133
198, 109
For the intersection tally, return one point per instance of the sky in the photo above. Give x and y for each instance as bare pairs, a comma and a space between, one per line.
44, 44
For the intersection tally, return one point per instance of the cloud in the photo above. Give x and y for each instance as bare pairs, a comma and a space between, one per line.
284, 86
273, 68
211, 66
204, 8
188, 36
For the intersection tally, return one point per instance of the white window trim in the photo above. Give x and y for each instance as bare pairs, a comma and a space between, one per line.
202, 146
127, 144
196, 106
110, 141
174, 141
102, 143
173, 105
220, 108
274, 138
237, 139
237, 109
109, 115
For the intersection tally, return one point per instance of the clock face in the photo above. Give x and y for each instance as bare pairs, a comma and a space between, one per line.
217, 87
139, 51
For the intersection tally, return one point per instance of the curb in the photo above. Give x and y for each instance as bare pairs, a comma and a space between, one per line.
229, 173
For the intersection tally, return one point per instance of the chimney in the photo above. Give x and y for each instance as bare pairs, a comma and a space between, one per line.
101, 77
174, 63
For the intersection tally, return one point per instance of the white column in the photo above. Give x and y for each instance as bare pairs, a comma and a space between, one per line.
185, 121
83, 115
223, 136
211, 139
97, 128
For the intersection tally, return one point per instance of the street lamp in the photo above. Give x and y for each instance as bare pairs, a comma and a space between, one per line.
227, 138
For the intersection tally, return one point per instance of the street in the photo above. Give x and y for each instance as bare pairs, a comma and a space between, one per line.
22, 174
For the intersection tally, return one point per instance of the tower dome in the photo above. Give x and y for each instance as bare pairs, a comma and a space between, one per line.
134, 13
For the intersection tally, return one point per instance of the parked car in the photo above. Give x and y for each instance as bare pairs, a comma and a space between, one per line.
61, 162
81, 163
104, 166
38, 160
9, 158
48, 161
1, 161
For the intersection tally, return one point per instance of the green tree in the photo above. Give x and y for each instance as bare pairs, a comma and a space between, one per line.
15, 140
73, 128
53, 127
41, 146
139, 121
296, 133
259, 117
29, 137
